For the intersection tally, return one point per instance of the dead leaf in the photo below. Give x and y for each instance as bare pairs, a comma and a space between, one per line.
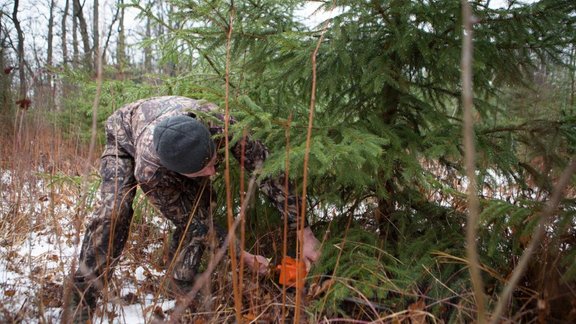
9, 292
249, 317
318, 289
159, 313
416, 312
51, 294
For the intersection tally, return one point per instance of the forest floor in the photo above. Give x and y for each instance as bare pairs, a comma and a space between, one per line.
40, 231
47, 191
39, 244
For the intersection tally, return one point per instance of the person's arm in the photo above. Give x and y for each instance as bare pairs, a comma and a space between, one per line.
311, 247
287, 202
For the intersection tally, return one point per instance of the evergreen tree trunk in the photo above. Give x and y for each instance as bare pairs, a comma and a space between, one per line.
386, 207
387, 224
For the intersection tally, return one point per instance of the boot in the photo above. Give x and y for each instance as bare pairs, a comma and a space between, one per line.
178, 288
81, 307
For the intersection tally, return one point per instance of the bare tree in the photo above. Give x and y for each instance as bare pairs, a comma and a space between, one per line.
79, 15
121, 46
49, 51
64, 33
170, 66
76, 52
147, 47
23, 101
5, 84
110, 32
49, 55
20, 54
96, 31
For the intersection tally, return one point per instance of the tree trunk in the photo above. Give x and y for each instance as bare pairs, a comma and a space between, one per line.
49, 57
79, 14
121, 46
170, 66
50, 34
96, 33
64, 33
76, 52
20, 53
23, 102
385, 219
148, 48
5, 76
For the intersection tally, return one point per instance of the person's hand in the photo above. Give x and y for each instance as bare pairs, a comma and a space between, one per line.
311, 247
256, 263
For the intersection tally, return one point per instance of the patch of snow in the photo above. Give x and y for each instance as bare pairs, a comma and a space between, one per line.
35, 263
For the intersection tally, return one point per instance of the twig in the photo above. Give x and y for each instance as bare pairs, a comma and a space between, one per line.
473, 203
545, 218
286, 193
305, 171
229, 207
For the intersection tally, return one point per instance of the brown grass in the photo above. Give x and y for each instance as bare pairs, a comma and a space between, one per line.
43, 197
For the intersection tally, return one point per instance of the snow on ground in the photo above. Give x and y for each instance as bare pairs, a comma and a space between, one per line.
38, 246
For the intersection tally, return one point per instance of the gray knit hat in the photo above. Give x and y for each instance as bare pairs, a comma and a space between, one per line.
183, 144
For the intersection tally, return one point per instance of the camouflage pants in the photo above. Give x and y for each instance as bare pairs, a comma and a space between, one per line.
108, 229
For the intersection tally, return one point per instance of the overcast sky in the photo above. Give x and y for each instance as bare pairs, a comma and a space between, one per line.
33, 16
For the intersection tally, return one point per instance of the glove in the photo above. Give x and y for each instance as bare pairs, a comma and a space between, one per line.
256, 263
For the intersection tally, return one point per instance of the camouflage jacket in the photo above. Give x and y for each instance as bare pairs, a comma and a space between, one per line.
129, 135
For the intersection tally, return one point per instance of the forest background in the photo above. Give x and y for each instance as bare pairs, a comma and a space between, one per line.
433, 204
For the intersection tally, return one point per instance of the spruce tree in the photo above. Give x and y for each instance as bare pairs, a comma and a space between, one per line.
386, 148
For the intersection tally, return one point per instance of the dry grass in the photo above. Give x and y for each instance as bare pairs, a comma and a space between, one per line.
43, 210
37, 212
43, 213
